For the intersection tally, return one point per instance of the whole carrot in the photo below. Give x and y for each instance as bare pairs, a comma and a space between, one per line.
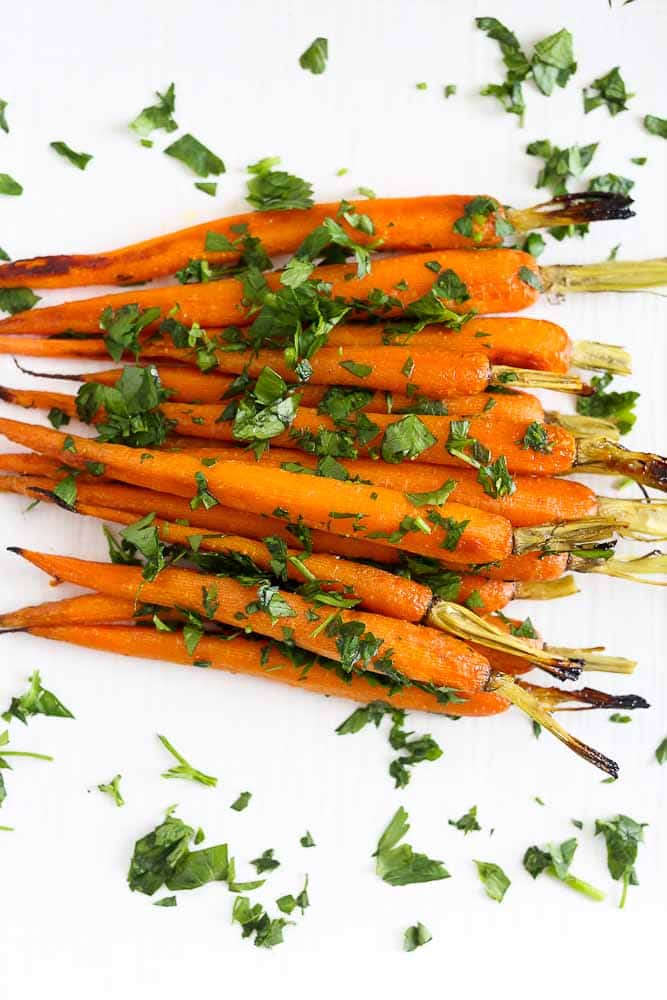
408, 224
496, 281
383, 644
371, 513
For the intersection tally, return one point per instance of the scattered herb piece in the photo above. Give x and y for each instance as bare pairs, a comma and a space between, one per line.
529, 277
449, 90
468, 822
255, 920
617, 717
196, 156
241, 802
266, 862
208, 187
307, 840
623, 836
421, 86
612, 183
494, 880
534, 244
406, 439
616, 406
611, 91
652, 124
3, 116
9, 186
123, 326
113, 790
560, 164
157, 855
640, 161
399, 864
315, 57
275, 190
416, 936
661, 751
57, 417
165, 901
14, 300
183, 769
36, 701
4, 255
555, 860
435, 497
80, 160
536, 438
157, 116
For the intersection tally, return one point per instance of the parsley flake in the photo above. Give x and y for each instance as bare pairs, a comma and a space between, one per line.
113, 789
315, 56
196, 156
183, 769
80, 160
157, 116
416, 936
494, 880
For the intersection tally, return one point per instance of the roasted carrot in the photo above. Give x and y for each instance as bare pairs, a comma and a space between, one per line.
372, 511
379, 591
399, 648
408, 224
492, 279
245, 656
85, 609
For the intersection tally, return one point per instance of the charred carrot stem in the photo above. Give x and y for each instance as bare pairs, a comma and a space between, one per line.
407, 224
399, 649
257, 658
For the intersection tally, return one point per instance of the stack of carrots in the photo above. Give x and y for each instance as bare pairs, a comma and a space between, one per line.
332, 471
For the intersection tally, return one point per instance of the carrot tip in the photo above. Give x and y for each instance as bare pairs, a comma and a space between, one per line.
16, 549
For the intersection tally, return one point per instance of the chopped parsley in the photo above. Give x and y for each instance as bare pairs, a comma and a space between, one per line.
612, 183
354, 368
4, 764
113, 789
536, 438
123, 326
616, 406
131, 408
202, 497
166, 901
266, 862
80, 160
36, 701
9, 186
534, 244
157, 116
399, 864
623, 836
288, 904
529, 277
435, 497
183, 769
196, 156
208, 187
468, 822
254, 919
560, 164
494, 880
139, 538
14, 300
661, 751
66, 490
57, 417
315, 57
475, 215
275, 190
611, 91
163, 857
3, 116
408, 438
416, 936
449, 90
652, 124
555, 859
307, 840
241, 802
493, 477
617, 717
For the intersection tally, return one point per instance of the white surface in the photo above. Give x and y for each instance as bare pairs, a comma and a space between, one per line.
79, 71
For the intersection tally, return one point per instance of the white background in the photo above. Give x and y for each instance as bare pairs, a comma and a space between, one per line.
79, 72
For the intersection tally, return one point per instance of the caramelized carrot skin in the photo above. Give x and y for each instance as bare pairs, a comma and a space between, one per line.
527, 567
408, 224
86, 609
269, 490
492, 279
243, 656
442, 660
506, 340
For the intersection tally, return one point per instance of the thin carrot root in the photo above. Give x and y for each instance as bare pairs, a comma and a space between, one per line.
591, 355
546, 590
464, 624
584, 427
606, 276
632, 568
609, 458
539, 708
570, 209
529, 378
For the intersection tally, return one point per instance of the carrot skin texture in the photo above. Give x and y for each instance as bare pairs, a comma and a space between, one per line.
408, 224
441, 659
485, 536
242, 656
531, 566
85, 609
492, 279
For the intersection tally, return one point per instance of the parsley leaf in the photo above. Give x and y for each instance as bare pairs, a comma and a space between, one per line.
57, 417
255, 920
398, 864
183, 769
468, 822
157, 855
611, 91
113, 790
275, 190
612, 183
3, 116
406, 439
616, 406
36, 701
80, 160
157, 116
123, 327
66, 490
536, 438
493, 477
623, 836
166, 901
9, 186
14, 300
529, 277
475, 214
661, 752
307, 840
315, 57
435, 497
560, 164
416, 936
494, 880
131, 407
208, 187
652, 124
266, 862
196, 156
555, 860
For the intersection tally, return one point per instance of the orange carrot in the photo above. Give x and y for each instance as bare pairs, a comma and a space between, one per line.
492, 278
438, 659
408, 224
372, 511
86, 609
379, 591
245, 656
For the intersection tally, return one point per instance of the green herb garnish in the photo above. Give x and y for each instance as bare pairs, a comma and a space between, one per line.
14, 300
398, 864
652, 124
183, 769
416, 936
611, 91
113, 789
623, 836
36, 701
494, 880
196, 156
9, 186
241, 802
315, 57
80, 160
616, 406
157, 116
468, 822
275, 190
555, 860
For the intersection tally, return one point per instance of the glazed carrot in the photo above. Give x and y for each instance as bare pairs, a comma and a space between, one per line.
379, 591
492, 279
529, 567
372, 510
438, 659
86, 609
244, 656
